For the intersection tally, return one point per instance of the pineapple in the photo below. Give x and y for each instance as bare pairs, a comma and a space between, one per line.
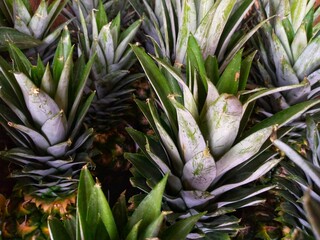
301, 184
36, 24
200, 139
110, 75
284, 43
215, 24
43, 110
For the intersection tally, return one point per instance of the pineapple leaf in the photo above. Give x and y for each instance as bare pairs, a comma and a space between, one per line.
20, 61
85, 190
181, 229
149, 209
125, 38
232, 25
221, 119
188, 25
61, 96
159, 83
246, 177
190, 138
101, 16
36, 137
307, 167
243, 150
57, 229
55, 128
39, 104
283, 117
312, 207
104, 211
229, 81
153, 229
12, 36
83, 76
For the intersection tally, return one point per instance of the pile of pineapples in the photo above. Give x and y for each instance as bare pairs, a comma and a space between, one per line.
220, 99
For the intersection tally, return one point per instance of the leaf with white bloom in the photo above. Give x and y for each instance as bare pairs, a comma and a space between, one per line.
125, 38
247, 177
39, 141
59, 149
196, 198
243, 150
188, 25
212, 96
281, 33
47, 83
55, 128
106, 41
300, 42
39, 21
190, 137
212, 25
302, 67
61, 96
298, 13
241, 194
221, 123
39, 104
20, 11
312, 171
200, 171
168, 143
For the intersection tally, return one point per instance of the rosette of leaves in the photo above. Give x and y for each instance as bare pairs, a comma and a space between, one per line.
300, 187
95, 219
200, 139
43, 109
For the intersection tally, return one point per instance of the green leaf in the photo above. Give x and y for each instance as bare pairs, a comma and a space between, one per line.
181, 229
125, 38
245, 70
159, 84
105, 212
85, 189
12, 36
195, 57
212, 69
298, 12
21, 62
101, 16
79, 91
283, 117
229, 81
56, 229
149, 209
61, 96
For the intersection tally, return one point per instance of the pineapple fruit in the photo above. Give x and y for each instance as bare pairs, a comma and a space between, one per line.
43, 109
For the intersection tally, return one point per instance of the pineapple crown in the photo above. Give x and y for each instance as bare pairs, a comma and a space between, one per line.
45, 118
201, 138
